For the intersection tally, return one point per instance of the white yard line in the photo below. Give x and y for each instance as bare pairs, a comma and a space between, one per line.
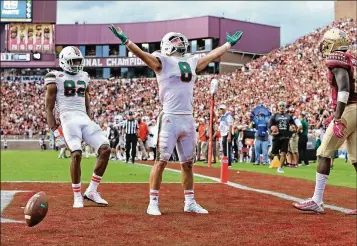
267, 192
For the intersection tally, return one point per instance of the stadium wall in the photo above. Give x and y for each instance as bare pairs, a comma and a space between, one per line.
44, 11
258, 38
2, 37
345, 9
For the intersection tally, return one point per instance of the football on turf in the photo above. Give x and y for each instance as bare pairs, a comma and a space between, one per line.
36, 209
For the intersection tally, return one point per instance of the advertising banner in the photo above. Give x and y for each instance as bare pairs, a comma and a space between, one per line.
31, 37
16, 11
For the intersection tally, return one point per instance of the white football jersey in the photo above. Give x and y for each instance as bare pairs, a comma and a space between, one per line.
176, 82
70, 90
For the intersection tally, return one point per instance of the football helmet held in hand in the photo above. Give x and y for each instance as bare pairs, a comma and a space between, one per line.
71, 60
174, 42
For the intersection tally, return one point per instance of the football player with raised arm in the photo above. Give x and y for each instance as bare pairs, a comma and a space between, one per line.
342, 68
176, 74
68, 90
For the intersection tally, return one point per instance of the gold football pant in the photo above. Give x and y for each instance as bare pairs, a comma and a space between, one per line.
330, 143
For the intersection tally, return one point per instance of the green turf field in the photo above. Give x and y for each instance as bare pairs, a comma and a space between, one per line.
44, 166
343, 173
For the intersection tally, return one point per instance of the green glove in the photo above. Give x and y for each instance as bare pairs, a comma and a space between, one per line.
119, 34
234, 38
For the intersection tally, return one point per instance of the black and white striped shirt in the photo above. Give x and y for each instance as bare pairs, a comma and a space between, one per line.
131, 127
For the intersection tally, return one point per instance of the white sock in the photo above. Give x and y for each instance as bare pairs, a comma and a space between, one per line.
154, 196
77, 190
189, 195
93, 185
321, 180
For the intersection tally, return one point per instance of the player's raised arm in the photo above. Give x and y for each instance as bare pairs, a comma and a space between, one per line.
149, 59
218, 52
50, 100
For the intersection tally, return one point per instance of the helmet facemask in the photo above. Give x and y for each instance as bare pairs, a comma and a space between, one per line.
71, 60
178, 45
76, 65
334, 40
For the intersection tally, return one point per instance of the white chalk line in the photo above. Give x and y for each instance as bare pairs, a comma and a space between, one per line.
232, 184
267, 192
87, 182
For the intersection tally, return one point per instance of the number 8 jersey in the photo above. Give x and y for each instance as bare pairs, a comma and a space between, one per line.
176, 81
70, 90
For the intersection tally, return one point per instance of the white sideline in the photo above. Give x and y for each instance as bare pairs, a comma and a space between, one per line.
87, 182
235, 185
267, 192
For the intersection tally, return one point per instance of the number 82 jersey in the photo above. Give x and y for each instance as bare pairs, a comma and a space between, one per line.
176, 81
70, 90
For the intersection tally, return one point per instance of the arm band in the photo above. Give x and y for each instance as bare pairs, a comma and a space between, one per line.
342, 96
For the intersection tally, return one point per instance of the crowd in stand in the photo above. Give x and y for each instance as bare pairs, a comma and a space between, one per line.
295, 74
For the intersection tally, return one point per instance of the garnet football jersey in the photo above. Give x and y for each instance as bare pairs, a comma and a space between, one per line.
348, 62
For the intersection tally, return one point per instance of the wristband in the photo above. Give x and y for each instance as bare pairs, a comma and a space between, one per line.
127, 43
342, 96
227, 45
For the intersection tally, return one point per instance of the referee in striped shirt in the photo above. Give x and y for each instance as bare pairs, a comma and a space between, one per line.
131, 133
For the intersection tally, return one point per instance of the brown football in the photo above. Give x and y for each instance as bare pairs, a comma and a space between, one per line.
36, 209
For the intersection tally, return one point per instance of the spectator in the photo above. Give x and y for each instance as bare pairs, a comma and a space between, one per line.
202, 139
303, 138
225, 128
5, 144
261, 142
143, 133
282, 122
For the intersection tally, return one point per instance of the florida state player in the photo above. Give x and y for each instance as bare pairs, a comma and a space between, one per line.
342, 78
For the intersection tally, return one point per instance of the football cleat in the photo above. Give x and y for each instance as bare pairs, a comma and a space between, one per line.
309, 205
94, 196
279, 170
353, 212
153, 209
78, 202
194, 207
